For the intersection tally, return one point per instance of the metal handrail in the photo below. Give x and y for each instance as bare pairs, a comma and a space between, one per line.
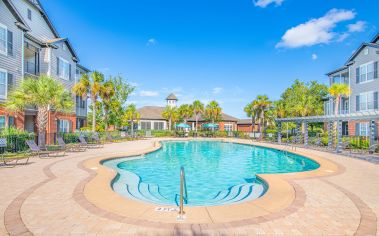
183, 192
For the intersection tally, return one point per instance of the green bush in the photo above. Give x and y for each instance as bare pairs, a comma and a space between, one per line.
16, 139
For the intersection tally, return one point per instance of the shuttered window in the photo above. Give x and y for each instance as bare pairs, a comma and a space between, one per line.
3, 39
10, 82
3, 84
10, 43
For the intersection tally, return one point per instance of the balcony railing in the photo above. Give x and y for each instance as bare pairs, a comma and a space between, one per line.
82, 112
31, 68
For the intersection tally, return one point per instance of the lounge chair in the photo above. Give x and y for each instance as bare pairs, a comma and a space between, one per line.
372, 148
10, 161
97, 140
85, 144
74, 147
35, 150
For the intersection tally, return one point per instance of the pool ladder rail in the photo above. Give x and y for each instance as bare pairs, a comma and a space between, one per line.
183, 195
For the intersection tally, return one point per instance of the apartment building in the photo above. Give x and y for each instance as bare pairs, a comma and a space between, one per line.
31, 46
360, 72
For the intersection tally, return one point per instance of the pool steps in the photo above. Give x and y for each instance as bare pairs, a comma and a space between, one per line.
150, 192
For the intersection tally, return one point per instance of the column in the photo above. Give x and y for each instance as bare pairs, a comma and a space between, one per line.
305, 134
330, 134
372, 132
339, 136
297, 139
279, 125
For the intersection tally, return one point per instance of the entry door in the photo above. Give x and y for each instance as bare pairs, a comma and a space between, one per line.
29, 124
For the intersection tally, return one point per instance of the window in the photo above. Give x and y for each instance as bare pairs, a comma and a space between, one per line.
63, 69
228, 127
367, 101
366, 72
158, 125
365, 51
31, 59
64, 126
3, 84
2, 122
11, 122
145, 125
364, 129
3, 39
29, 14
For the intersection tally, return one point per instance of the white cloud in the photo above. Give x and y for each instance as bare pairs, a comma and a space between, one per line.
217, 90
147, 93
359, 26
265, 3
151, 42
316, 31
314, 56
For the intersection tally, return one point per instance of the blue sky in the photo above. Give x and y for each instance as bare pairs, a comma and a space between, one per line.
229, 51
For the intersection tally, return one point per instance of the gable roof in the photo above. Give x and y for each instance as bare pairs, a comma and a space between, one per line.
21, 23
37, 4
363, 45
375, 39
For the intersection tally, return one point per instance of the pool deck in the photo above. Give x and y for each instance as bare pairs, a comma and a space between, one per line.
71, 195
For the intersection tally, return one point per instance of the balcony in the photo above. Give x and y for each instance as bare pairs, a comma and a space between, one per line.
81, 112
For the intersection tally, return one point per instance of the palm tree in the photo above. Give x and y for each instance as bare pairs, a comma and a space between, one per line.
338, 91
90, 86
44, 93
261, 104
132, 115
251, 112
198, 110
213, 112
170, 114
106, 93
185, 112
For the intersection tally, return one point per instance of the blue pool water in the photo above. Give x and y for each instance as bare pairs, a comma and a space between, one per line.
216, 172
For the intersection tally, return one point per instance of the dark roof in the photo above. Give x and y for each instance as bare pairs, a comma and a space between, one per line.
83, 68
37, 4
363, 45
244, 122
376, 38
171, 97
151, 113
20, 21
224, 117
338, 70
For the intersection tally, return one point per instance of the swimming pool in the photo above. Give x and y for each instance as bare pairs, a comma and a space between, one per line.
217, 172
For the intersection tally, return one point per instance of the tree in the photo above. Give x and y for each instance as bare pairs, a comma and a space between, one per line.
171, 115
252, 113
261, 104
132, 115
90, 86
198, 110
122, 90
107, 93
338, 91
46, 94
185, 112
213, 112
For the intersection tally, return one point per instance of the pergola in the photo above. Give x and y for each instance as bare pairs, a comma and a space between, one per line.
371, 116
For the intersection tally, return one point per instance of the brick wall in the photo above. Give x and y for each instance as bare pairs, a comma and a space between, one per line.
19, 117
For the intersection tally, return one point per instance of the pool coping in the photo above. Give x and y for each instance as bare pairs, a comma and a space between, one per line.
283, 196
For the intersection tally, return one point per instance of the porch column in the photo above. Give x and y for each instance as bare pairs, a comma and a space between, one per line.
305, 134
297, 130
330, 134
372, 132
279, 125
339, 136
